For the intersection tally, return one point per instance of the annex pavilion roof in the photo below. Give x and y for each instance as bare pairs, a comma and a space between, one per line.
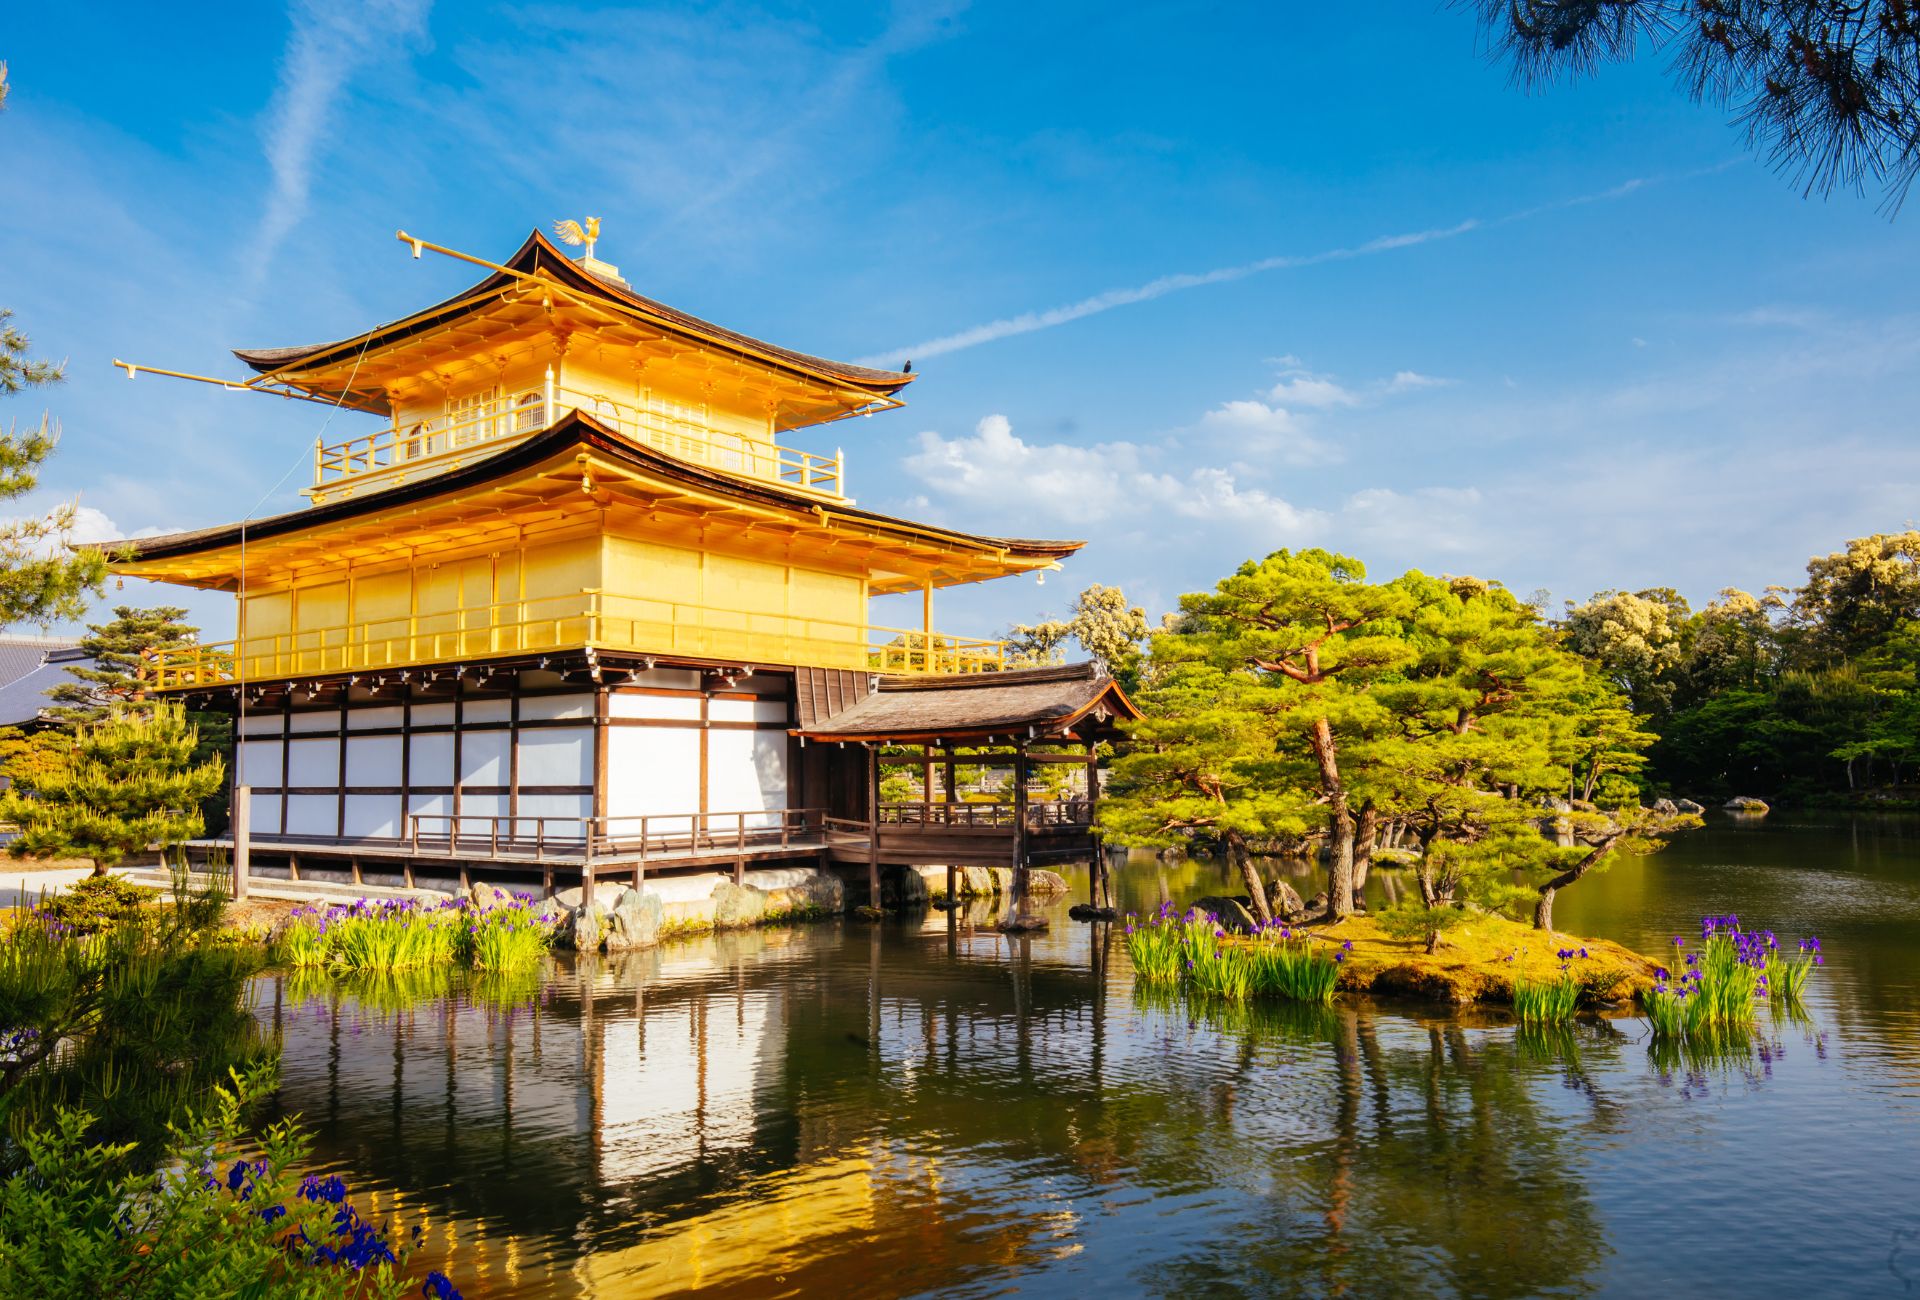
1028, 703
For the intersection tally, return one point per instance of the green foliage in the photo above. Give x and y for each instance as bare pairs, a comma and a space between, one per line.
1418, 921
407, 935
217, 1216
1813, 692
94, 904
1545, 1002
131, 1022
119, 650
1299, 701
1101, 620
1827, 90
1190, 951
131, 782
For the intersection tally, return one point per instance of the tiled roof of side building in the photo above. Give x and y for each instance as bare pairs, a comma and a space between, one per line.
23, 697
1035, 702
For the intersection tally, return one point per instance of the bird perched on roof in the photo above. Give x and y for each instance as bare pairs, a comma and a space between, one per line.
571, 232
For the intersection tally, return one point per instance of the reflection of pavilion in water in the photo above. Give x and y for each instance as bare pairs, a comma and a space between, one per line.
700, 1111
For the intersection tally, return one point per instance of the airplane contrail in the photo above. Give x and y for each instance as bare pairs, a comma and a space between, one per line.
1030, 322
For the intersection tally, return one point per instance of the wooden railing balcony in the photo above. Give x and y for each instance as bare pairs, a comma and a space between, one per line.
584, 619
407, 451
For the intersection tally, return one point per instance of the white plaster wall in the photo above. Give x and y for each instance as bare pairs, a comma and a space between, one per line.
652, 770
312, 814
677, 708
430, 759
260, 724
362, 718
260, 762
314, 762
373, 760
747, 772
556, 756
483, 758
373, 816
543, 707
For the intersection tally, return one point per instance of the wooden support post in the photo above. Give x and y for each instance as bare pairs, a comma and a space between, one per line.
293, 866
586, 884
546, 882
466, 882
1101, 886
873, 826
953, 887
1019, 902
353, 865
406, 872
242, 846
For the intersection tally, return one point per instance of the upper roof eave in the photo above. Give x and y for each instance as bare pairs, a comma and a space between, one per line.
573, 428
539, 253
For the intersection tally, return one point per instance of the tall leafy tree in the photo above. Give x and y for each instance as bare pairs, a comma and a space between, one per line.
1105, 624
1828, 90
132, 782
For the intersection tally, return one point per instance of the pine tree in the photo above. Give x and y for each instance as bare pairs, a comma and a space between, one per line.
118, 650
132, 782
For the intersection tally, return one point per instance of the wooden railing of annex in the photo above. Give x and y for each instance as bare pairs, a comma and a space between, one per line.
575, 621
639, 836
401, 452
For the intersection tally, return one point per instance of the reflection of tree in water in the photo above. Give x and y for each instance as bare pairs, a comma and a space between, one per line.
1437, 1168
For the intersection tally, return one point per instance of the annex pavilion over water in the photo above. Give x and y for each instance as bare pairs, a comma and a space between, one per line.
578, 607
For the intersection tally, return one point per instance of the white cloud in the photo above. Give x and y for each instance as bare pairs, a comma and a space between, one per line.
1031, 321
331, 40
1407, 381
999, 476
1302, 388
1429, 518
1256, 429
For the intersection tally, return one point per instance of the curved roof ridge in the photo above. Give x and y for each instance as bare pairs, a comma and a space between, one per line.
538, 253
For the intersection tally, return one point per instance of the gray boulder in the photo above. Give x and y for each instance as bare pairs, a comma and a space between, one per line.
1285, 901
587, 929
1228, 913
1045, 882
735, 907
1689, 806
1666, 807
635, 922
485, 896
1746, 803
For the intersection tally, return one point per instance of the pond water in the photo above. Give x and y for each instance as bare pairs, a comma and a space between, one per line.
915, 1107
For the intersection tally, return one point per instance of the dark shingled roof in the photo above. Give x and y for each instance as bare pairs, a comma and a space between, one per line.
539, 253
24, 696
976, 705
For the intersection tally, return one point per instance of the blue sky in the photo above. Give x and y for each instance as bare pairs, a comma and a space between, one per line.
1190, 281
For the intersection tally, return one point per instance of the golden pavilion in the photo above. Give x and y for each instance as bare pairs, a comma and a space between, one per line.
579, 605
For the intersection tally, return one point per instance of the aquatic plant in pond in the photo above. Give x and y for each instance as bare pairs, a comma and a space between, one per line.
1549, 1001
1192, 949
508, 937
1717, 986
407, 934
1290, 967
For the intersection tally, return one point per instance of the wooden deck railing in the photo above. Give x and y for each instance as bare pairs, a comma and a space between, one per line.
585, 618
445, 442
1054, 812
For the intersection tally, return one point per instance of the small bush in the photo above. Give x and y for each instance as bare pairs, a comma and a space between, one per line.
94, 903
